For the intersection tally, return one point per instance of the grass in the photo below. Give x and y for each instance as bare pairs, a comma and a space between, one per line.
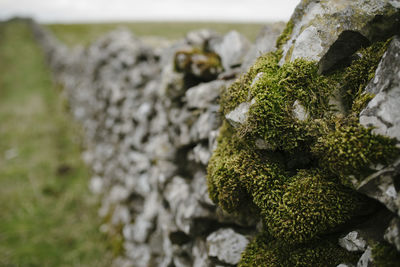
84, 33
47, 215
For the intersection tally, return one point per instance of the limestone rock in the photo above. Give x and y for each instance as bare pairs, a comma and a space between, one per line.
232, 49
200, 38
383, 111
202, 95
238, 116
226, 245
353, 242
345, 265
330, 31
366, 259
382, 186
299, 112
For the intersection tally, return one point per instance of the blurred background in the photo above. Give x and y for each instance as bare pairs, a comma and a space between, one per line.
48, 217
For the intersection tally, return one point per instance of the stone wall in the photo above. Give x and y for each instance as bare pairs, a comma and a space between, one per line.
151, 119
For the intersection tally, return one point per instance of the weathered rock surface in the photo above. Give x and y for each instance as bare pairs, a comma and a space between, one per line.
232, 49
226, 245
353, 242
330, 31
383, 110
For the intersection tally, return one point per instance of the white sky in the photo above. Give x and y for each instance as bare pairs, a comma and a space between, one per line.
152, 10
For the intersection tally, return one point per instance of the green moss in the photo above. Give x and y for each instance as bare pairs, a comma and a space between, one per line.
199, 63
299, 182
285, 35
351, 149
310, 205
353, 79
385, 255
236, 171
265, 251
271, 117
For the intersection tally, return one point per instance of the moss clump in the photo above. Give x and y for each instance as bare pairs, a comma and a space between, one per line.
355, 77
351, 149
266, 251
311, 204
285, 36
385, 255
299, 179
232, 171
197, 63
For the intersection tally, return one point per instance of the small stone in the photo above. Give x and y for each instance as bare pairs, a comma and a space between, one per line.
226, 245
353, 242
238, 116
262, 144
365, 259
299, 112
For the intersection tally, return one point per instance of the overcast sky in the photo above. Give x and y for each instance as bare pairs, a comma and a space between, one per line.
122, 10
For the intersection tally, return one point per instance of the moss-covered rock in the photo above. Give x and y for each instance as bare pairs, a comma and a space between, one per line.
300, 179
266, 251
195, 62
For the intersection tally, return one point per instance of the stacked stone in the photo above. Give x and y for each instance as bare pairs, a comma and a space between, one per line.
330, 32
150, 118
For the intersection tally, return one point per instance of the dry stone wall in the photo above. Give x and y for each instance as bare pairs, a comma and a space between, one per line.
151, 118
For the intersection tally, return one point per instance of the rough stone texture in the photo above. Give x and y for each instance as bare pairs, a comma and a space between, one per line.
383, 110
232, 49
330, 31
226, 245
365, 259
353, 242
238, 116
299, 112
382, 186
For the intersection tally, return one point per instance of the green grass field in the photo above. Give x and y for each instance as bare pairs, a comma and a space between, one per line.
47, 215
84, 33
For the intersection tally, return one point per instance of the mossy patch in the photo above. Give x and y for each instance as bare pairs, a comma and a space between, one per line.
198, 63
266, 251
299, 180
285, 36
385, 255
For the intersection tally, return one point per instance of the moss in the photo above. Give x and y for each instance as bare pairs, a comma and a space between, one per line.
265, 251
385, 255
299, 181
351, 149
353, 79
198, 63
310, 205
285, 35
235, 171
271, 117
